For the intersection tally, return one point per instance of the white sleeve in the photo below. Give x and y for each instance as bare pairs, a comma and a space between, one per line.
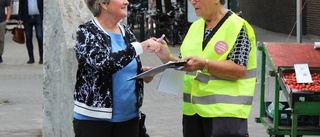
137, 46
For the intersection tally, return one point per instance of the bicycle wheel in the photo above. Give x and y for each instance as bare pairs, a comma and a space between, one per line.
151, 29
182, 32
169, 38
149, 33
180, 36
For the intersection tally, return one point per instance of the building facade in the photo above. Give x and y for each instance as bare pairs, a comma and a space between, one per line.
280, 15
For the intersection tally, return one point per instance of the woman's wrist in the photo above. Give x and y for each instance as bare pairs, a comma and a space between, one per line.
206, 64
165, 58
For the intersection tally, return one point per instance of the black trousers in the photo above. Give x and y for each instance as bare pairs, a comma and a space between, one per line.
197, 126
34, 21
88, 128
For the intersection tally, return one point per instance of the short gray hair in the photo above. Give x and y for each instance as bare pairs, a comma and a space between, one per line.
94, 6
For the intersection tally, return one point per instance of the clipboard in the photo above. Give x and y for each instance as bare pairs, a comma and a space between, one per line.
159, 69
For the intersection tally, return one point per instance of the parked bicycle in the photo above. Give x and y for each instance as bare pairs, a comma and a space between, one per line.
181, 24
173, 24
133, 14
151, 19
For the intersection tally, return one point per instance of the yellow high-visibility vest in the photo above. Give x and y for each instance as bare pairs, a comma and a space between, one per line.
210, 96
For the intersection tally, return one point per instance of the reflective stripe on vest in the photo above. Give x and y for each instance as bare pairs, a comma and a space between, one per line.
205, 78
214, 99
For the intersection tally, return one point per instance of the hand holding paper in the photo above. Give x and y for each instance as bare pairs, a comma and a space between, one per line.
148, 78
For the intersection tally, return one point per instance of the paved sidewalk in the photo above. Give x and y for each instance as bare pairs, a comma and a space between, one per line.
21, 87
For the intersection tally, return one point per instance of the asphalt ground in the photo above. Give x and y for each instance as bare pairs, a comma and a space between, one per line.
21, 93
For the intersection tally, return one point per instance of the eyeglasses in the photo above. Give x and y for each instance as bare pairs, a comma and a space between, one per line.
194, 0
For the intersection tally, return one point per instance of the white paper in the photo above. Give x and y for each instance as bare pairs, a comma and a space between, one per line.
159, 69
303, 74
317, 45
171, 81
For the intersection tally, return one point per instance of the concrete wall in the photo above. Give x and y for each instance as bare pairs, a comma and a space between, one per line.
280, 15
61, 18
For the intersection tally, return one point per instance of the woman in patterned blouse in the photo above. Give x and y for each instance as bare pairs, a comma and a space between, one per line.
106, 103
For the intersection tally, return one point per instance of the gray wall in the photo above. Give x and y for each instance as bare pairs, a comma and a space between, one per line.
61, 18
280, 15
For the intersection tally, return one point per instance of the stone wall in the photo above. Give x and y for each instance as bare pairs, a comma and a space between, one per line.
61, 18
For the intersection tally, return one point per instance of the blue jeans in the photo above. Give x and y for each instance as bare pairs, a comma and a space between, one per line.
34, 21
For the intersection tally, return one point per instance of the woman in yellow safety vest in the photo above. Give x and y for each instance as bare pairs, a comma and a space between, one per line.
220, 50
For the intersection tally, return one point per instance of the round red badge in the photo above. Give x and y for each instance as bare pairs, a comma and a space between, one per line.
221, 47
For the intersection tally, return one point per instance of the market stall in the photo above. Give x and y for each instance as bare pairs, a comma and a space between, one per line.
299, 114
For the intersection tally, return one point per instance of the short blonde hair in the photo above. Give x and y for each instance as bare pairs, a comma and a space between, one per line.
94, 6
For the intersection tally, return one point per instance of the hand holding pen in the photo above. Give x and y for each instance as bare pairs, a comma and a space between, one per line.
164, 52
161, 38
154, 44
151, 45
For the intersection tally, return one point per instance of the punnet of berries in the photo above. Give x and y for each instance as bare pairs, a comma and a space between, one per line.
290, 81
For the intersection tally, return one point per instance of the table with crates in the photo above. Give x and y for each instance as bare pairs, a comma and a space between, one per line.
299, 114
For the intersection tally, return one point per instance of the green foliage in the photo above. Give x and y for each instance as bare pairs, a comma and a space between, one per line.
4, 101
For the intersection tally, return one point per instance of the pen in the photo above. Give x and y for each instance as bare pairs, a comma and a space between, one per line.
161, 38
